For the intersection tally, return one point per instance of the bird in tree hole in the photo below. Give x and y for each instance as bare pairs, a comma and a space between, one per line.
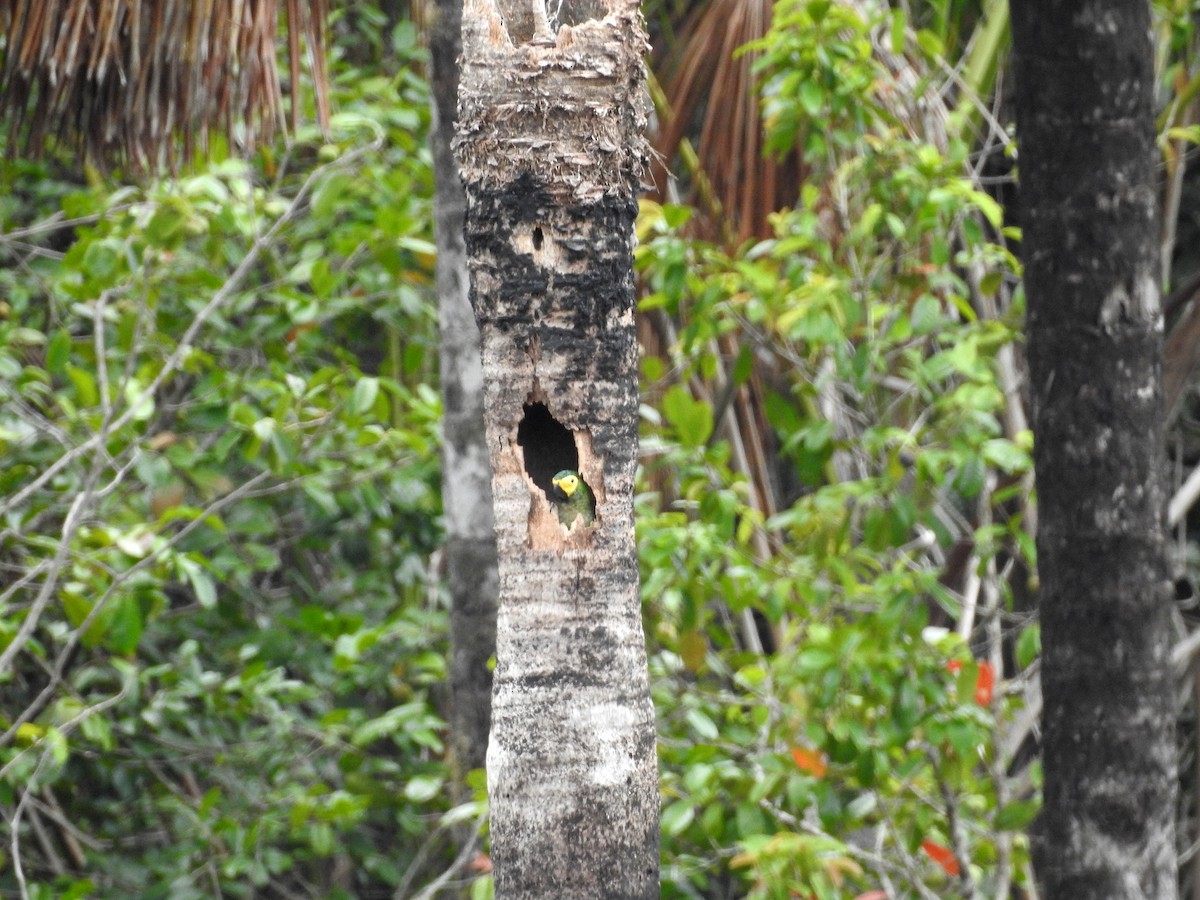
573, 498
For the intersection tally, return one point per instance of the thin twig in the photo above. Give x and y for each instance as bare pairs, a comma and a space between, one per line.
15, 825
184, 348
56, 222
29, 623
1184, 498
68, 726
56, 677
457, 865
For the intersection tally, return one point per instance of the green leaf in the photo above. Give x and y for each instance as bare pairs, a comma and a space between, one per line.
990, 283
85, 385
321, 838
56, 741
818, 10
201, 582
366, 390
653, 368
1029, 645
693, 419
926, 314
866, 223
676, 216
78, 890
264, 428
703, 725
677, 816
1017, 815
169, 224
483, 888
125, 625
58, 352
750, 820
930, 43
140, 399
743, 366
1007, 456
101, 259
75, 606
899, 23
812, 98
98, 730
991, 210
423, 788
813, 659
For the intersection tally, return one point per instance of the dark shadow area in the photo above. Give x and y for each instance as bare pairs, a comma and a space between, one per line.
573, 12
548, 446
519, 18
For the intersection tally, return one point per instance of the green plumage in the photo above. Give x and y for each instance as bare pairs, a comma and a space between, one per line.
573, 498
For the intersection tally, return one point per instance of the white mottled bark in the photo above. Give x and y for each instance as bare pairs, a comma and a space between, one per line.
551, 154
470, 551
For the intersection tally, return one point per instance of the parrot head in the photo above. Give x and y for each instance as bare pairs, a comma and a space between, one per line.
566, 483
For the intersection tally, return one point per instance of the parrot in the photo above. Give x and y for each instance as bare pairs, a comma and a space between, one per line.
573, 498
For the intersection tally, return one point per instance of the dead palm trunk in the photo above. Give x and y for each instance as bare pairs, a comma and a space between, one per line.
1085, 92
551, 151
466, 473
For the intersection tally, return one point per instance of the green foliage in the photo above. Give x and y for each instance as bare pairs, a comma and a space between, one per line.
221, 640
862, 750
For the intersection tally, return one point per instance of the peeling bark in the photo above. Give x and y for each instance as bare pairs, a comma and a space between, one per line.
470, 550
1085, 86
551, 151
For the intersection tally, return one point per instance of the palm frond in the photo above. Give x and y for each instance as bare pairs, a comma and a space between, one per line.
147, 81
710, 88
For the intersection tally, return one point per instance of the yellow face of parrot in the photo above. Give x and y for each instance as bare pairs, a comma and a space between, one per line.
567, 482
572, 498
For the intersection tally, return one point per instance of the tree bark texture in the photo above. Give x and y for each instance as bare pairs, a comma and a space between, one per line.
1085, 90
551, 151
470, 550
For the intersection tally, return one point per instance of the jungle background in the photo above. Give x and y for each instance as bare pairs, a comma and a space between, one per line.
223, 613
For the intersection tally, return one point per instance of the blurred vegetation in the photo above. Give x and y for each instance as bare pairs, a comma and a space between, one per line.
860, 751
222, 621
223, 638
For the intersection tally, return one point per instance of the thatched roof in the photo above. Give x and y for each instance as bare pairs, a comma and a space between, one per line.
147, 81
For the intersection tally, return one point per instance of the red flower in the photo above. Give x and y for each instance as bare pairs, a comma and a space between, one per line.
943, 856
985, 681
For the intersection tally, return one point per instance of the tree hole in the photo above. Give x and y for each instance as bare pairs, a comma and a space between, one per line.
573, 12
521, 22
537, 245
548, 447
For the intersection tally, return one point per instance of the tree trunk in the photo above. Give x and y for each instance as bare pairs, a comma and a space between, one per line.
1085, 90
551, 150
470, 551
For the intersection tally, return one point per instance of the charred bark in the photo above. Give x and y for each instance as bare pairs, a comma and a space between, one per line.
551, 150
1084, 94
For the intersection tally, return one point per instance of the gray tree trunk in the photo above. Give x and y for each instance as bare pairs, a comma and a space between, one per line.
1085, 116
551, 152
470, 551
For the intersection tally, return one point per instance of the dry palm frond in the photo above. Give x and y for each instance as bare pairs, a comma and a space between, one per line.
709, 86
147, 81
